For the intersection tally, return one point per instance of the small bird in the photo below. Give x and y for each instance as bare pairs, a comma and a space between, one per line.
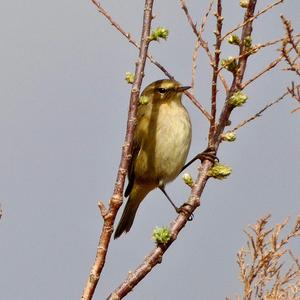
161, 143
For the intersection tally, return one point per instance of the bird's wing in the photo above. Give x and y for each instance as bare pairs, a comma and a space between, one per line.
137, 141
131, 176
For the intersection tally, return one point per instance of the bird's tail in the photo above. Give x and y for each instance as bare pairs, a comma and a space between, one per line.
137, 194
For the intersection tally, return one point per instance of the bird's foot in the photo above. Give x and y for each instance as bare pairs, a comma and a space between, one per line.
208, 154
185, 208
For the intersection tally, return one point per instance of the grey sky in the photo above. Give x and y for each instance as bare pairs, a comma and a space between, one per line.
63, 112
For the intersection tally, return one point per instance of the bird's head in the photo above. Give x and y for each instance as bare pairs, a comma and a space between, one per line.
163, 91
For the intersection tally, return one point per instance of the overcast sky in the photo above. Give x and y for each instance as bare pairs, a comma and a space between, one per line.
63, 113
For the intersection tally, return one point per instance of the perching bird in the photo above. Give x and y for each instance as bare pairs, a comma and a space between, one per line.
161, 143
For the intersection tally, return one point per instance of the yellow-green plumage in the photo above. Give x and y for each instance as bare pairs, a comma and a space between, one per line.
161, 143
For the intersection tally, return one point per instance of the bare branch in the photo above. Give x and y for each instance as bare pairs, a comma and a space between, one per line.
273, 64
198, 45
194, 65
215, 66
203, 22
295, 93
116, 199
290, 37
105, 13
269, 7
290, 40
259, 113
238, 75
255, 48
198, 105
189, 18
202, 42
261, 262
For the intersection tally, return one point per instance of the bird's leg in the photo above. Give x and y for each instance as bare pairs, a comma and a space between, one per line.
208, 154
183, 209
162, 188
177, 209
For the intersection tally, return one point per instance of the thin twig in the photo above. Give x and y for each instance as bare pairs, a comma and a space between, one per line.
249, 52
203, 22
259, 113
254, 49
202, 42
198, 45
295, 93
295, 109
161, 67
189, 18
238, 76
194, 65
117, 197
273, 64
214, 88
267, 44
262, 262
289, 31
269, 7
198, 104
115, 24
291, 41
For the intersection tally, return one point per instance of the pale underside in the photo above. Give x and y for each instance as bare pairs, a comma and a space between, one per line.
164, 147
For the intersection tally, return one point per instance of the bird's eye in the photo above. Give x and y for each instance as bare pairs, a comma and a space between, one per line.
161, 90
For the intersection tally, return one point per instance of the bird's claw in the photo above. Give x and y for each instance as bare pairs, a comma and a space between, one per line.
208, 154
184, 210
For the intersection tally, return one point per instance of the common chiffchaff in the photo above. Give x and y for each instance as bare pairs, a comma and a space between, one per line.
161, 143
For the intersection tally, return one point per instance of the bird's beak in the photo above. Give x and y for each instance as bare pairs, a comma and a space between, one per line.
181, 89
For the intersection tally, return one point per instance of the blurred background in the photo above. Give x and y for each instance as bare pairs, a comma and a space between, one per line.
64, 104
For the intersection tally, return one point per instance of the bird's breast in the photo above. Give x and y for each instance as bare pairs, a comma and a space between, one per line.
165, 148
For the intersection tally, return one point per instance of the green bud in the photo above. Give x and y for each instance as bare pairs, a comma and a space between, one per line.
144, 100
219, 171
229, 136
129, 77
233, 39
161, 235
248, 41
230, 64
159, 33
252, 49
188, 180
238, 99
244, 3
